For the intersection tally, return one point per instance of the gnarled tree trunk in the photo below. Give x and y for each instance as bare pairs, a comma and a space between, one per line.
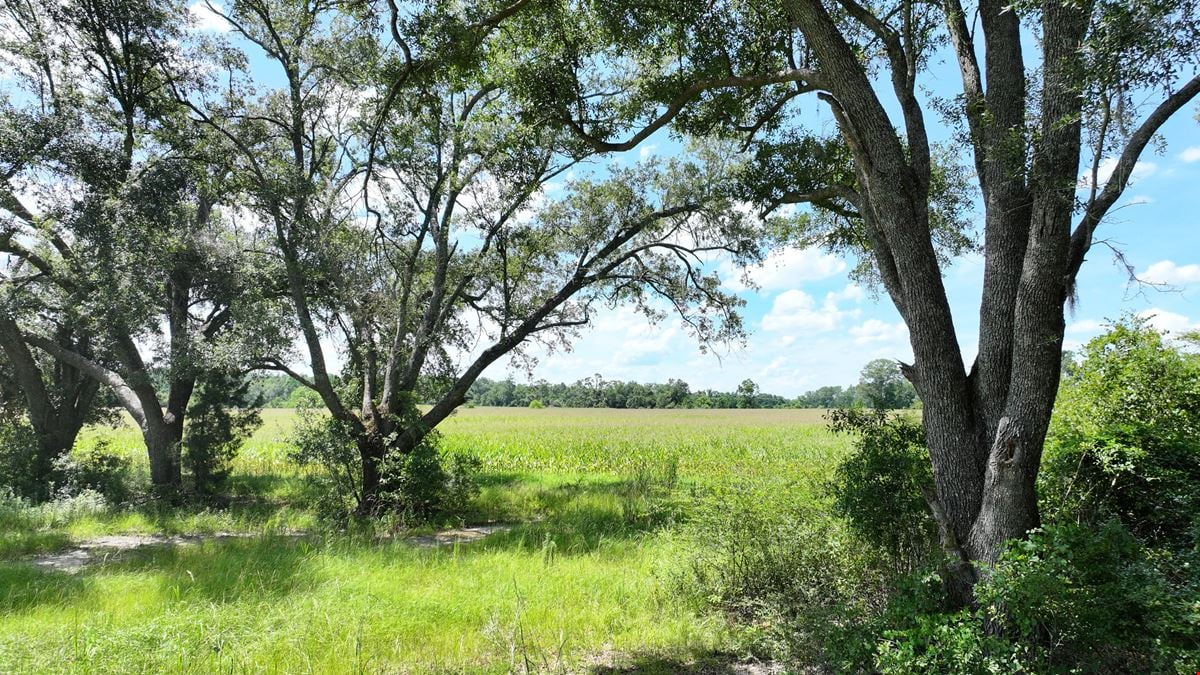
56, 420
984, 428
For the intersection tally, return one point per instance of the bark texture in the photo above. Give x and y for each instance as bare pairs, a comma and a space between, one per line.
58, 399
984, 427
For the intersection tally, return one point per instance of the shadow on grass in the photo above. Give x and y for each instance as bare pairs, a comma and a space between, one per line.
502, 479
577, 517
24, 587
272, 487
705, 663
17, 542
224, 570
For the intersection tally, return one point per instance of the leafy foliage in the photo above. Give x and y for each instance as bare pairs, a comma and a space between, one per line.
417, 486
1070, 598
18, 453
879, 487
220, 419
1125, 440
883, 385
100, 470
793, 576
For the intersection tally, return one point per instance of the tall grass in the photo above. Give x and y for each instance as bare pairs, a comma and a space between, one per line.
597, 498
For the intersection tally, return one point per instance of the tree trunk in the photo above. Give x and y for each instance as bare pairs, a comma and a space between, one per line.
56, 425
163, 439
54, 442
371, 452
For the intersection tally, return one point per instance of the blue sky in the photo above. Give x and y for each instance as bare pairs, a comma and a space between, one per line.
810, 326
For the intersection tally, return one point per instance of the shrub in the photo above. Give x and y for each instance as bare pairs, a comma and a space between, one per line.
424, 484
1069, 598
320, 442
878, 487
1125, 439
803, 586
99, 470
420, 485
18, 457
536, 404
220, 419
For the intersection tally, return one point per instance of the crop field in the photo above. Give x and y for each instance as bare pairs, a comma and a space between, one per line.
593, 500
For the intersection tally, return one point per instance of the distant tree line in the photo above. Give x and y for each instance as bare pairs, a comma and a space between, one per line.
881, 385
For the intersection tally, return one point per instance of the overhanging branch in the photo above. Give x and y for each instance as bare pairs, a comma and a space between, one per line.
1098, 208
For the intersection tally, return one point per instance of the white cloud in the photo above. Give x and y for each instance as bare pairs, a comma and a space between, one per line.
797, 312
783, 269
852, 292
206, 19
1191, 154
1168, 322
874, 331
646, 151
1167, 272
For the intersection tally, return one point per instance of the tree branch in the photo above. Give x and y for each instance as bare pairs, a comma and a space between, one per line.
94, 370
804, 75
1081, 238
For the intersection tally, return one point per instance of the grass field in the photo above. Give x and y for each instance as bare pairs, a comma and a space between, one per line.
597, 498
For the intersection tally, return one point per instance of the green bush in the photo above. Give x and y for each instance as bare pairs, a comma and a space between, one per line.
802, 585
18, 456
1069, 598
320, 442
417, 486
220, 419
1125, 439
423, 484
98, 469
878, 487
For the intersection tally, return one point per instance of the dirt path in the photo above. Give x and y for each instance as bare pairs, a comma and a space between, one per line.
462, 535
93, 551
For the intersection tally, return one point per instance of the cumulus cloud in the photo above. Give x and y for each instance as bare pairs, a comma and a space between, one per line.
1141, 170
1085, 326
874, 331
1168, 272
206, 19
852, 292
1191, 154
783, 269
1168, 322
795, 311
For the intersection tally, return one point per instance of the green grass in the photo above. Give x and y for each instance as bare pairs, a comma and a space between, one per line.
580, 577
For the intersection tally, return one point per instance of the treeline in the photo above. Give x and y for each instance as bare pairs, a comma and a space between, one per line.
596, 392
880, 385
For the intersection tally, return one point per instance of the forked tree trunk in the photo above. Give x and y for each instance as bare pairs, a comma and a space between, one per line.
56, 423
163, 441
984, 429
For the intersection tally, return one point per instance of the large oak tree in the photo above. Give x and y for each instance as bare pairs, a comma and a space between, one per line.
119, 264
828, 94
426, 228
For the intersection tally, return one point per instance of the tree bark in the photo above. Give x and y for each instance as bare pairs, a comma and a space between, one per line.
56, 424
161, 431
984, 429
162, 447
